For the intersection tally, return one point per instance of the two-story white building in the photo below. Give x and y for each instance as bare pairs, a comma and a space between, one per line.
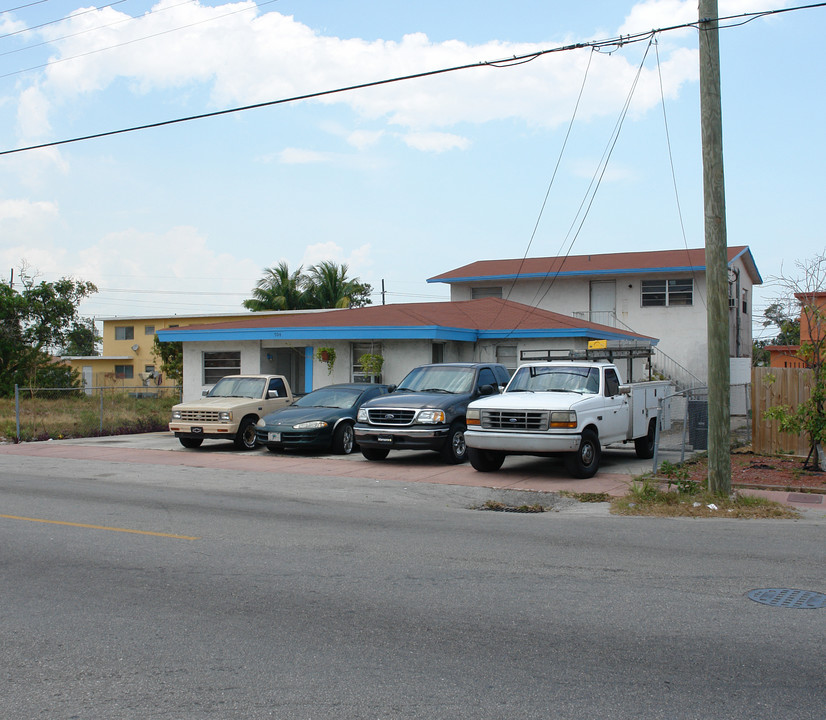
660, 294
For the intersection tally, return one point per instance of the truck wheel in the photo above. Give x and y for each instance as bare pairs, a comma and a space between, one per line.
485, 460
374, 453
245, 437
454, 450
584, 463
644, 446
191, 442
343, 439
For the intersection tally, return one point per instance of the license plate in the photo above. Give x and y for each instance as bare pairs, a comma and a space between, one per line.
274, 437
384, 439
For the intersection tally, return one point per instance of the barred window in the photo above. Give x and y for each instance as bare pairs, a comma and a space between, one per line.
665, 293
219, 364
485, 292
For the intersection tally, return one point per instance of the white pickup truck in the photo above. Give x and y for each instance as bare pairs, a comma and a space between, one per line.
568, 408
230, 410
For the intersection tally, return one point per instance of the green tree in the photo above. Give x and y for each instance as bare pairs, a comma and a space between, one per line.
81, 339
171, 355
279, 289
329, 287
778, 314
34, 323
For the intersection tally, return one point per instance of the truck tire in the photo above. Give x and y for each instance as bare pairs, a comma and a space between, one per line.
454, 450
374, 453
245, 437
584, 463
344, 439
191, 443
644, 446
485, 460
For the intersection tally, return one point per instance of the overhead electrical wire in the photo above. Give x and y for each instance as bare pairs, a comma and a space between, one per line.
612, 43
59, 20
134, 40
51, 41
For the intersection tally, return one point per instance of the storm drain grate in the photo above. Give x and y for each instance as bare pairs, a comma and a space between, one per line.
789, 598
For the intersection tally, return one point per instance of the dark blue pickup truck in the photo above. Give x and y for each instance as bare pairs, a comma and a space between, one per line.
427, 410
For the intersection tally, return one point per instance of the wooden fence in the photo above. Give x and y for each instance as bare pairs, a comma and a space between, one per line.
777, 386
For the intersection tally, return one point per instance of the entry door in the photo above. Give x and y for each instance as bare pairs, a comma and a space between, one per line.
603, 302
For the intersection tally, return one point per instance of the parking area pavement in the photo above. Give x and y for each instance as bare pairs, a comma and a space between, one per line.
618, 467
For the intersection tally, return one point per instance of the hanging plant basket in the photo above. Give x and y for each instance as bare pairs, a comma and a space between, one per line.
371, 364
327, 355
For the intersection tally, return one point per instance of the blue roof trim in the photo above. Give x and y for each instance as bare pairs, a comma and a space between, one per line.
577, 273
747, 252
429, 332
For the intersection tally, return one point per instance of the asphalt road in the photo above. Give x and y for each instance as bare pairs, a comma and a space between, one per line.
140, 591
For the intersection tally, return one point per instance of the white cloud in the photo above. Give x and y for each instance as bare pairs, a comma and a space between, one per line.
363, 139
26, 210
250, 57
436, 141
359, 257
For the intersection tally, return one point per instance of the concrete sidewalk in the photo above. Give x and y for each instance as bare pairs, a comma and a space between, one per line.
618, 467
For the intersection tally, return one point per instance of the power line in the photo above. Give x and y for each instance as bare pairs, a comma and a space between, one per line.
605, 45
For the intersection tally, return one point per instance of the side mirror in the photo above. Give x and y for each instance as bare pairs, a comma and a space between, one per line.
391, 388
486, 390
624, 389
272, 393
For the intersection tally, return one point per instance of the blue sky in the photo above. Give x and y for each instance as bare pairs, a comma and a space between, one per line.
401, 182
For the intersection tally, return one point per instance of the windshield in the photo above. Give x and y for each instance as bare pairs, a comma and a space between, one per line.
234, 386
555, 379
330, 397
438, 378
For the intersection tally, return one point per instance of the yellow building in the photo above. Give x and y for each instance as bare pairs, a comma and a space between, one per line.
128, 359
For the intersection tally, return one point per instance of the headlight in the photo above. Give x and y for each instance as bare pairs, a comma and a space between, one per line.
362, 416
176, 414
472, 416
311, 425
562, 419
225, 416
430, 416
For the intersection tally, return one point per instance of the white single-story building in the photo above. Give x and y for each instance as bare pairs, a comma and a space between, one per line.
404, 335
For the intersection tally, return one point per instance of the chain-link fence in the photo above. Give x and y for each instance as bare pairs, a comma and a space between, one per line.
54, 413
683, 430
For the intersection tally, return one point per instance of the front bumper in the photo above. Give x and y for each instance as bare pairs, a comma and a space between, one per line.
287, 439
405, 438
522, 443
203, 430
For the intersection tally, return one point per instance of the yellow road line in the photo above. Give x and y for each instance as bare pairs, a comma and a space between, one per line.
100, 527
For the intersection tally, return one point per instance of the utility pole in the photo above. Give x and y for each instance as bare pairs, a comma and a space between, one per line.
714, 200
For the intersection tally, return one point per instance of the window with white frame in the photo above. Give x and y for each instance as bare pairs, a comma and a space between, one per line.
219, 364
667, 293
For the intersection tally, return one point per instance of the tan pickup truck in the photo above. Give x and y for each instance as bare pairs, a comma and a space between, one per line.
230, 410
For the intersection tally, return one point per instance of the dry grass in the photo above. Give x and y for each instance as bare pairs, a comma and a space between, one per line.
74, 414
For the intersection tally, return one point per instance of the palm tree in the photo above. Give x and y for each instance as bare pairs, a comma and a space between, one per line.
329, 287
279, 289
